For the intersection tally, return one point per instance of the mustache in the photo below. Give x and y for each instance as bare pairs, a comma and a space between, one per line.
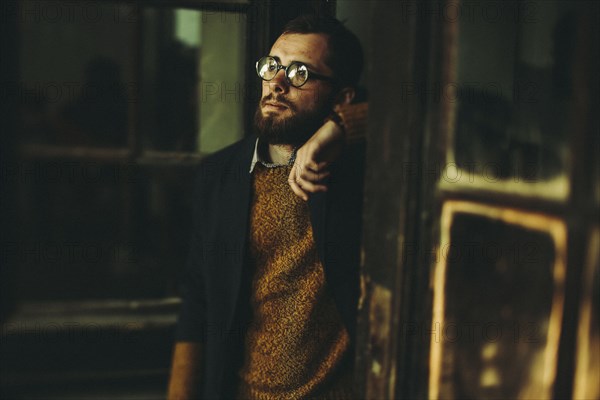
277, 99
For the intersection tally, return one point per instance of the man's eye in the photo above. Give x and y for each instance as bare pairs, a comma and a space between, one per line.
272, 67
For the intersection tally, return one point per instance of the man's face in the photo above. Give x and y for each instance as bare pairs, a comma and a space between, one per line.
291, 115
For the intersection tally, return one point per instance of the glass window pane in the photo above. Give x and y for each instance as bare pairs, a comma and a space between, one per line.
496, 297
514, 92
92, 230
194, 65
77, 76
499, 290
587, 384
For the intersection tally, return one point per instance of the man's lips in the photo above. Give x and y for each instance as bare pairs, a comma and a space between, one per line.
275, 105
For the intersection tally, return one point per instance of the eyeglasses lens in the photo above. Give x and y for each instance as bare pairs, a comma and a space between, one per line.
297, 74
267, 68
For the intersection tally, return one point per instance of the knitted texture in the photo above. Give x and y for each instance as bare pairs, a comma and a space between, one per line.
296, 342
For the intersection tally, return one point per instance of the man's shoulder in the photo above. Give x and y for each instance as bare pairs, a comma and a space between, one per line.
232, 153
236, 156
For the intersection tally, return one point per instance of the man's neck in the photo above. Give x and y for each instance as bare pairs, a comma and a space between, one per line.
280, 153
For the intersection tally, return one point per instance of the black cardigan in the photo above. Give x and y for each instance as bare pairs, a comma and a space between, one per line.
215, 288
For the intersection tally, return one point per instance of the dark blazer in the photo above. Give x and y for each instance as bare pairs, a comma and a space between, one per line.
215, 288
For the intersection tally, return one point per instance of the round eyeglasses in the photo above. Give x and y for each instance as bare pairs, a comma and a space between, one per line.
296, 74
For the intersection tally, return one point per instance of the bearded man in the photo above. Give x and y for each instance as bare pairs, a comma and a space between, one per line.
272, 285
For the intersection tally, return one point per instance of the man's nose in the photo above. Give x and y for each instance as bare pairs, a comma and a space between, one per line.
279, 83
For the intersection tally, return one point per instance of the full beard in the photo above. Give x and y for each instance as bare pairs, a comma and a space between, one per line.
294, 130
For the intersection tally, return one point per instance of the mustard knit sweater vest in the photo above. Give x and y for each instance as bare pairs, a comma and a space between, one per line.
296, 343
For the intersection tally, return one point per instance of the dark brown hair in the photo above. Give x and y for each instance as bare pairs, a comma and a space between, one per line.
345, 56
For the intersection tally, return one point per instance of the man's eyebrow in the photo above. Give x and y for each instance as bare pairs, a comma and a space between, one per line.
309, 65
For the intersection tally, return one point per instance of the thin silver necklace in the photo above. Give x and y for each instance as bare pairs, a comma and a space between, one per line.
290, 162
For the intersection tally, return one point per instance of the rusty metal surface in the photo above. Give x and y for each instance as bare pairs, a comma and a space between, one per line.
381, 361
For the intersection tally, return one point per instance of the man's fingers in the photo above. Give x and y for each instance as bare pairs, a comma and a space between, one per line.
298, 191
310, 170
307, 157
311, 165
310, 176
307, 177
295, 187
308, 186
322, 165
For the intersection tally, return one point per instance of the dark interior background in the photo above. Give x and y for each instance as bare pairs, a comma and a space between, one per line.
107, 107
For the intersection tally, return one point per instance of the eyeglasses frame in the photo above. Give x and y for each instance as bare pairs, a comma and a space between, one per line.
311, 74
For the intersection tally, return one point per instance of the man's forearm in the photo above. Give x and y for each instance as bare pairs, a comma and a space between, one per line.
184, 383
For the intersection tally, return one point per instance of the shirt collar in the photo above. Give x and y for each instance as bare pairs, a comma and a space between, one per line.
255, 158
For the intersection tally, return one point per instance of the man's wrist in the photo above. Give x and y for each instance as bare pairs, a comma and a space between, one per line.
337, 120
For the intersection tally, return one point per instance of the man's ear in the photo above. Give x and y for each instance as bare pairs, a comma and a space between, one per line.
345, 96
